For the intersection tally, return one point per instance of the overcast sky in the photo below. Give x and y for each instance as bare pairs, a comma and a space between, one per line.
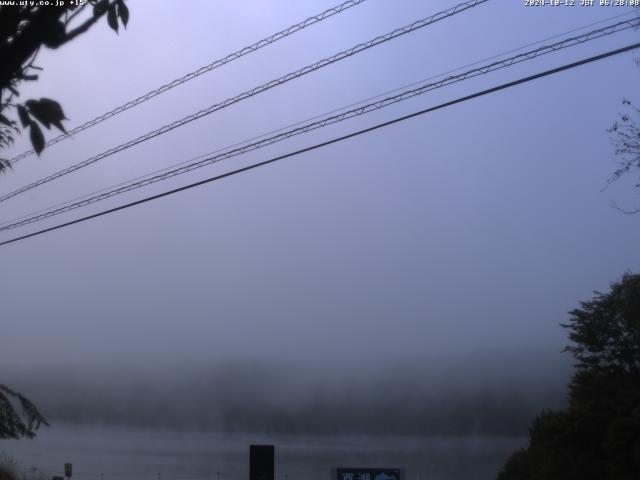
468, 231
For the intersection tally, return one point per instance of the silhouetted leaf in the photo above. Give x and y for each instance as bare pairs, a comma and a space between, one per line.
5, 165
38, 113
99, 8
59, 125
47, 111
112, 18
54, 107
53, 32
123, 12
6, 136
24, 116
37, 138
6, 121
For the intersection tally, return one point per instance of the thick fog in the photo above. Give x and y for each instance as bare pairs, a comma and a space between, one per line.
490, 395
410, 280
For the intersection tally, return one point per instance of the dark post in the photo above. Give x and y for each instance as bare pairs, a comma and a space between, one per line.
261, 462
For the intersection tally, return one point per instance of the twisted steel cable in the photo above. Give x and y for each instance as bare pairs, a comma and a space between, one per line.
342, 138
196, 73
370, 107
301, 122
255, 91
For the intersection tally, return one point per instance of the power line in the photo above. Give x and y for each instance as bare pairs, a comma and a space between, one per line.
368, 108
332, 141
200, 71
493, 57
255, 91
315, 117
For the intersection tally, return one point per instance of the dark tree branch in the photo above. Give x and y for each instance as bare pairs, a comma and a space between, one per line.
11, 424
75, 14
626, 212
82, 28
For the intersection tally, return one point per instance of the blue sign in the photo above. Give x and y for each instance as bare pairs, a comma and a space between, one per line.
368, 474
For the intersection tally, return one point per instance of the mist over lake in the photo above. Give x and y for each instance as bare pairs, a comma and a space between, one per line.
189, 423
491, 393
119, 453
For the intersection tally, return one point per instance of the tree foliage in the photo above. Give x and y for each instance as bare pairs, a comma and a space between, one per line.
606, 330
14, 425
598, 435
25, 29
625, 136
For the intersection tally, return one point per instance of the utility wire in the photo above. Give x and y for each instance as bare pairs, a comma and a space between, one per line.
200, 71
148, 180
478, 62
334, 140
255, 91
315, 117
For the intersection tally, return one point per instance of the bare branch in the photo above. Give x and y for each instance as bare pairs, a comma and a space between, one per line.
620, 209
75, 14
83, 27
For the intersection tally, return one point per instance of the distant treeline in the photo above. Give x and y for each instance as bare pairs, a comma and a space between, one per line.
275, 400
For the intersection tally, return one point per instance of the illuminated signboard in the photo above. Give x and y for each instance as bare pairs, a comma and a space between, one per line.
368, 474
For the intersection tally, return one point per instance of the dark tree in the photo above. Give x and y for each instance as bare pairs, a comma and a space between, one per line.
598, 435
605, 332
24, 30
14, 425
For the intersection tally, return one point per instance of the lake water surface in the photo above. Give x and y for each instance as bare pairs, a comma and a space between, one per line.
119, 453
